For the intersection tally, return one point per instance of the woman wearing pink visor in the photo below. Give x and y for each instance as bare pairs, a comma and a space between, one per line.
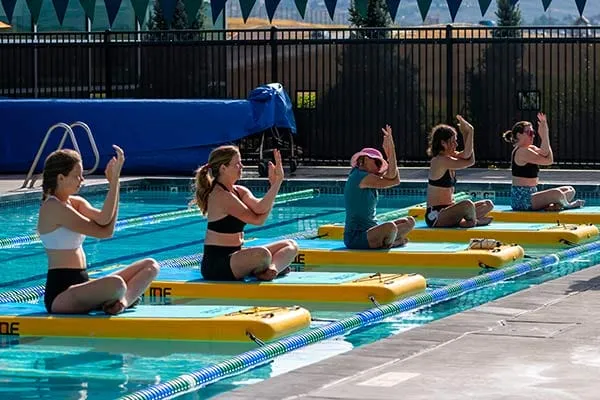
370, 172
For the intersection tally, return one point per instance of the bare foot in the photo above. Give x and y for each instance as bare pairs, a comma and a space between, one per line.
113, 308
484, 221
284, 271
576, 204
268, 274
399, 242
467, 223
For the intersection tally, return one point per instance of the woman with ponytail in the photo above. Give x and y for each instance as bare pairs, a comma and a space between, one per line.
64, 221
228, 208
525, 161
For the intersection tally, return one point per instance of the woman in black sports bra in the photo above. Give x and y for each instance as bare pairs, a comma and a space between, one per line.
525, 161
442, 211
229, 207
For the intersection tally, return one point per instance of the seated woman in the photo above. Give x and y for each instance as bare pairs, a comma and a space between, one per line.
229, 207
369, 173
525, 161
64, 221
442, 211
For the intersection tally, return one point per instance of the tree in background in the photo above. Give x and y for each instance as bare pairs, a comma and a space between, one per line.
377, 17
509, 15
180, 18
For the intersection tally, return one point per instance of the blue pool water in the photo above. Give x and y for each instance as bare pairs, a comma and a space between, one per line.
106, 369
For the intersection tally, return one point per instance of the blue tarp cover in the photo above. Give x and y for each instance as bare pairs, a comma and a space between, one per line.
158, 136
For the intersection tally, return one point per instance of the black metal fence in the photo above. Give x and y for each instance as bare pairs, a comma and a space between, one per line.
345, 83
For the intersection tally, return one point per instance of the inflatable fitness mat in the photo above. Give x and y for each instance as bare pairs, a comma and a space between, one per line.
508, 232
208, 323
296, 286
503, 213
423, 254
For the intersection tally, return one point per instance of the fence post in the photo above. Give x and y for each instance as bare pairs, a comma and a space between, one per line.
449, 74
107, 65
273, 41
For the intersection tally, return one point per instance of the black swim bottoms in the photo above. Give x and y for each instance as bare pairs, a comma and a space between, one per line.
432, 214
216, 262
60, 279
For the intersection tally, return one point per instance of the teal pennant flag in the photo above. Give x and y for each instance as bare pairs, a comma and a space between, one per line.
9, 8
139, 9
112, 9
191, 9
301, 6
453, 6
424, 6
392, 6
60, 6
484, 5
35, 6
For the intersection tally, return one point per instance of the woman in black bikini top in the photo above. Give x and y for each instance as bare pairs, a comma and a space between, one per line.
229, 207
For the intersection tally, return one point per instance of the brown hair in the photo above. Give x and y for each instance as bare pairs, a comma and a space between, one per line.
438, 134
204, 182
519, 127
59, 162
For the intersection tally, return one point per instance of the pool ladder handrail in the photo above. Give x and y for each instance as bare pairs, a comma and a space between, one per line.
68, 130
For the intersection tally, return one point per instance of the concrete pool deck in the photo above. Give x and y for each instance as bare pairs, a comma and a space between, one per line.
539, 343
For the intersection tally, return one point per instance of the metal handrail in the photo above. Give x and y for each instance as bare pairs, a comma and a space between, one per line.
68, 131
87, 129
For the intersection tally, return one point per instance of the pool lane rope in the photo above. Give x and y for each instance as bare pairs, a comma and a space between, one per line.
132, 222
245, 361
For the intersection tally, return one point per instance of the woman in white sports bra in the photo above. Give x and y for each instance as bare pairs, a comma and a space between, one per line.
64, 221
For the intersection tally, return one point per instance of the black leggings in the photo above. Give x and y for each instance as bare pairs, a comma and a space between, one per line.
216, 262
60, 279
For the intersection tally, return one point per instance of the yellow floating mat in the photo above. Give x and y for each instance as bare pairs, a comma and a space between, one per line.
517, 232
205, 323
339, 287
424, 254
503, 213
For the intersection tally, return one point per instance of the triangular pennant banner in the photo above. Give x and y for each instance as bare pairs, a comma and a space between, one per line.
484, 5
9, 8
246, 6
514, 2
453, 6
89, 8
191, 9
216, 6
546, 4
35, 6
424, 7
330, 4
362, 7
60, 6
580, 6
301, 6
392, 6
140, 7
112, 9
271, 6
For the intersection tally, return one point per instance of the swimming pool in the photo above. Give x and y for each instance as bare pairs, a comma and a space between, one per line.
103, 369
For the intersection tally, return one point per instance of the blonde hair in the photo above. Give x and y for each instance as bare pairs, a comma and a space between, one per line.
59, 162
209, 172
519, 127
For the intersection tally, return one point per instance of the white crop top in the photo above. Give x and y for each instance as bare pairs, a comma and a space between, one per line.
62, 238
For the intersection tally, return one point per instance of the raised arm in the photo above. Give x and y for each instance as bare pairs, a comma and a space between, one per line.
467, 131
265, 205
108, 214
391, 177
544, 150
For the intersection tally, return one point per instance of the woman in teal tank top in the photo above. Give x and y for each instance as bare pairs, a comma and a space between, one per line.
370, 172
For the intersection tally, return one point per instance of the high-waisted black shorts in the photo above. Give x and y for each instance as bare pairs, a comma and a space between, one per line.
216, 263
60, 279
